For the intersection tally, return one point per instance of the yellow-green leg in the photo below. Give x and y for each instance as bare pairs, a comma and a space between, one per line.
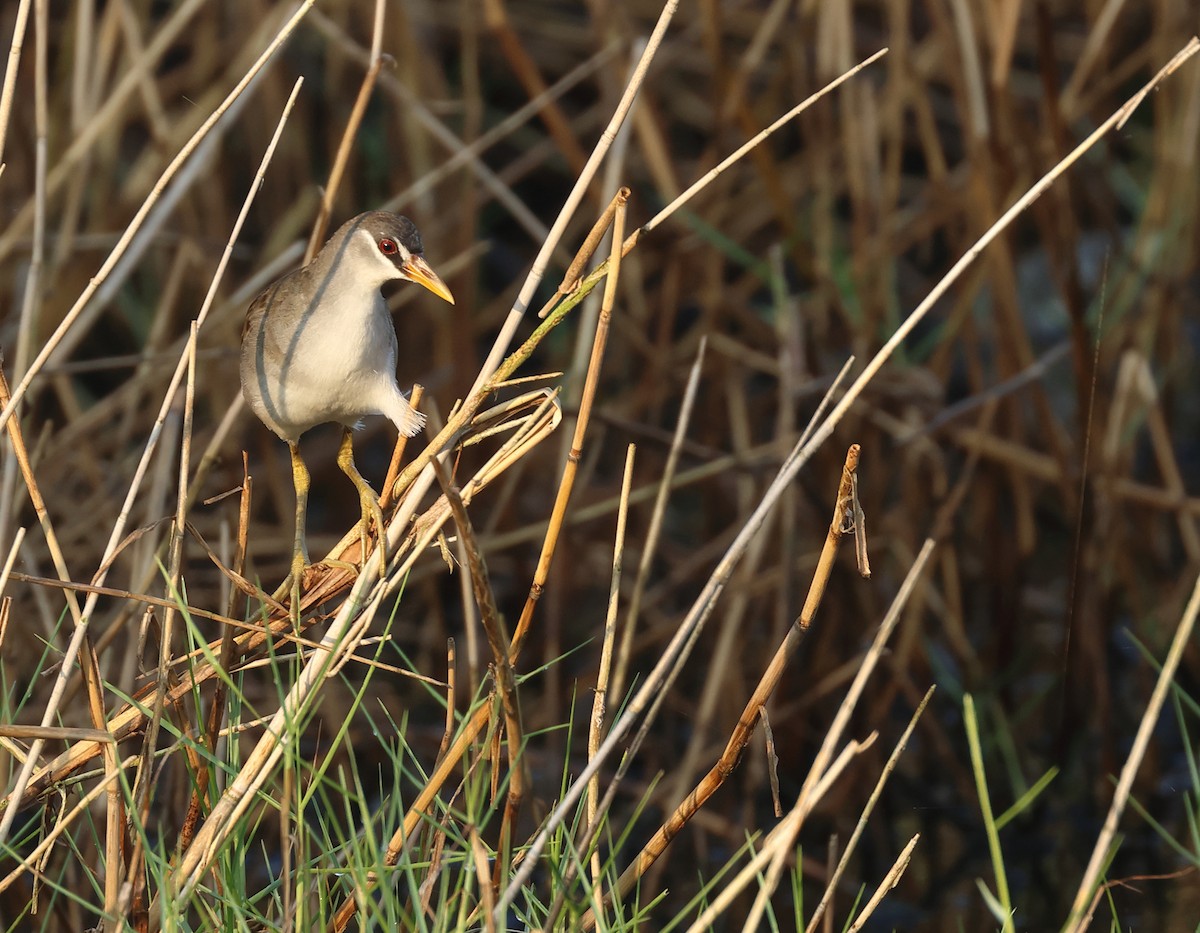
299, 546
368, 501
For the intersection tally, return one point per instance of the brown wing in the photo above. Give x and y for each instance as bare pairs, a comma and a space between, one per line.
256, 308
259, 305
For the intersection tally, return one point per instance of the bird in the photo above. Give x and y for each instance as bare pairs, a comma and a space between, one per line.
318, 346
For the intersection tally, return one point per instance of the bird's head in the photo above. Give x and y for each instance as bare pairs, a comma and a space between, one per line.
389, 246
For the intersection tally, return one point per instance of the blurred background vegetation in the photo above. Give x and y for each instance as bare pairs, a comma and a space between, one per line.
1043, 423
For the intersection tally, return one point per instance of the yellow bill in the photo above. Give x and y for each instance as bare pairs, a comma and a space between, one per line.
416, 269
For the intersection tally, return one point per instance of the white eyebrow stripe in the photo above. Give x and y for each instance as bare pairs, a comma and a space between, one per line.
393, 272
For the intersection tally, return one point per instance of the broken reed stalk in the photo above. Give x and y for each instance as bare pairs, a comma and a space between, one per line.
826, 766
743, 731
567, 483
502, 669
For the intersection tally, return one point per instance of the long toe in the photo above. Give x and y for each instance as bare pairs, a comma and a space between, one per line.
372, 514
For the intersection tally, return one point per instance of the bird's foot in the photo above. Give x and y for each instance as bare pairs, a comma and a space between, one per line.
372, 514
295, 580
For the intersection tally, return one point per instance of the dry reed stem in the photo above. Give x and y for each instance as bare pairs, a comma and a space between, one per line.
468, 153
890, 880
32, 303
571, 278
10, 72
487, 894
825, 766
321, 224
743, 731
835, 874
653, 532
600, 696
566, 484
502, 670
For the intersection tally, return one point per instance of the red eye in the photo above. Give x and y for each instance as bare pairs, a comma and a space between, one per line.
388, 246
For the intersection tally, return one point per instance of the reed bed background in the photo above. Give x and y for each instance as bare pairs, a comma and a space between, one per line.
1040, 426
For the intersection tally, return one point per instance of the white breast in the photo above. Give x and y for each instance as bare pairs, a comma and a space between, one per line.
339, 364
